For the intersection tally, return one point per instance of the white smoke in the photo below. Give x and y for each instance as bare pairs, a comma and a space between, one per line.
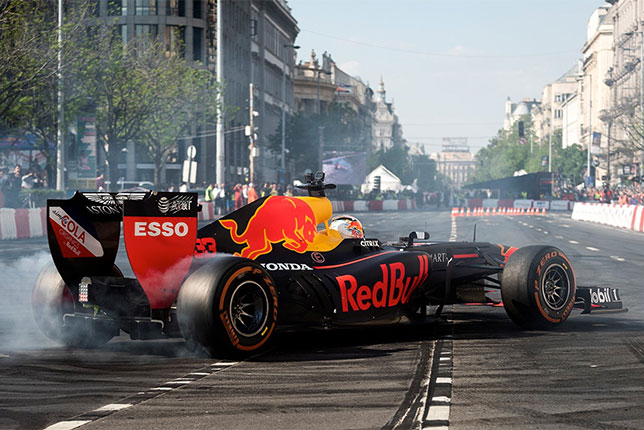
18, 329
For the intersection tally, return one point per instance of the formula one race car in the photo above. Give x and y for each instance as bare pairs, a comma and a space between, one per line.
275, 263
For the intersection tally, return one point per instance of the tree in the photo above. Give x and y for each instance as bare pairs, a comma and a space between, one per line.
28, 71
121, 82
184, 96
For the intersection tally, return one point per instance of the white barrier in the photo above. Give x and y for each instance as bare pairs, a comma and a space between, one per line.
490, 203
560, 205
522, 204
630, 217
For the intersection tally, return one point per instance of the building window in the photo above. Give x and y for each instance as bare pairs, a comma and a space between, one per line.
197, 42
145, 30
176, 8
558, 113
117, 7
146, 7
144, 33
196, 9
558, 98
174, 40
123, 34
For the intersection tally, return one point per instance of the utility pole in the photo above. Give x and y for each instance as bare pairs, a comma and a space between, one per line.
590, 126
60, 140
220, 147
251, 147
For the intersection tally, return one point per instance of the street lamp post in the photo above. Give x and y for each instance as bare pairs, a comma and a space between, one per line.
283, 161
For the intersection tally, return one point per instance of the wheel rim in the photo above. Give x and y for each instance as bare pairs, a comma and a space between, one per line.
248, 308
555, 287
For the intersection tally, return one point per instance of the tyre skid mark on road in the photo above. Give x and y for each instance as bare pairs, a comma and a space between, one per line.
142, 396
418, 389
436, 414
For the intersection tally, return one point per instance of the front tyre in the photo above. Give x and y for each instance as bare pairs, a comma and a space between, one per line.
228, 306
538, 287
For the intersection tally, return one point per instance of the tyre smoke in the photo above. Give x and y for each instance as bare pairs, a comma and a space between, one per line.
18, 329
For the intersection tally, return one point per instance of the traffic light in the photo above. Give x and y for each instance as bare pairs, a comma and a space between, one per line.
376, 183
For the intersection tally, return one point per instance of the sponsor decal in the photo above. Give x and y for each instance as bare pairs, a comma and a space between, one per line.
438, 257
160, 250
106, 204
394, 287
603, 295
170, 206
73, 239
370, 243
317, 257
288, 220
205, 245
154, 228
285, 266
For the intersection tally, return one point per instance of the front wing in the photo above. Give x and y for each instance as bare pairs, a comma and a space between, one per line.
598, 299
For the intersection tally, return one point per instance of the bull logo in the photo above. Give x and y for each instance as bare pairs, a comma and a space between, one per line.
278, 219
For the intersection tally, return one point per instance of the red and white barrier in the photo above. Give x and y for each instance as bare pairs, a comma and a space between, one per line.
550, 205
22, 223
630, 217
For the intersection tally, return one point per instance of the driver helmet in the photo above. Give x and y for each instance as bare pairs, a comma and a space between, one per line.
349, 227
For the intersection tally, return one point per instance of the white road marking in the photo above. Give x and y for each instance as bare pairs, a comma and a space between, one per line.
444, 358
224, 363
545, 232
443, 380
574, 242
441, 399
590, 248
452, 235
161, 389
199, 373
615, 257
177, 382
67, 425
558, 237
113, 407
565, 225
438, 413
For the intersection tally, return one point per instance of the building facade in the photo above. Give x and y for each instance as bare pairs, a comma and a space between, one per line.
273, 54
455, 161
385, 123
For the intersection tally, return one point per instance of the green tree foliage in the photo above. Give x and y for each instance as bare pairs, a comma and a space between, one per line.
504, 155
28, 70
183, 96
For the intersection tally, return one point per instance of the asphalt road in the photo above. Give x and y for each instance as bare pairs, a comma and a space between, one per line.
475, 370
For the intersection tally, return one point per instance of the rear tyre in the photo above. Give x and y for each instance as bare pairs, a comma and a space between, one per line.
538, 287
228, 306
51, 299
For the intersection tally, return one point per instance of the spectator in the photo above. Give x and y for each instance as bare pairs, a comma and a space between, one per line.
11, 188
252, 194
239, 202
220, 199
209, 193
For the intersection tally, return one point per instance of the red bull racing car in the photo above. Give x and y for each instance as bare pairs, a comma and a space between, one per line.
275, 263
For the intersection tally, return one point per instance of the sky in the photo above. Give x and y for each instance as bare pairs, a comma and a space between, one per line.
448, 65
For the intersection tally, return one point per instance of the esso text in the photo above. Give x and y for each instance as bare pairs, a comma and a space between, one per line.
167, 229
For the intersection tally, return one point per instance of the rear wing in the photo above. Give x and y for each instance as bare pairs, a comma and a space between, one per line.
159, 230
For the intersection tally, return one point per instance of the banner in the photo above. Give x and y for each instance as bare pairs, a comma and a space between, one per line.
596, 143
86, 146
344, 168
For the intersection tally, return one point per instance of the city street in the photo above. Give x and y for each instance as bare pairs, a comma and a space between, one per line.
474, 369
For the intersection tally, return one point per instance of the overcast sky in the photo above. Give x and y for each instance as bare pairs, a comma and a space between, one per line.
449, 65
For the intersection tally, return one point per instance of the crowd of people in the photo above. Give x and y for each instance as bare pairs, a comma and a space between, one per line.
623, 195
232, 197
15, 181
